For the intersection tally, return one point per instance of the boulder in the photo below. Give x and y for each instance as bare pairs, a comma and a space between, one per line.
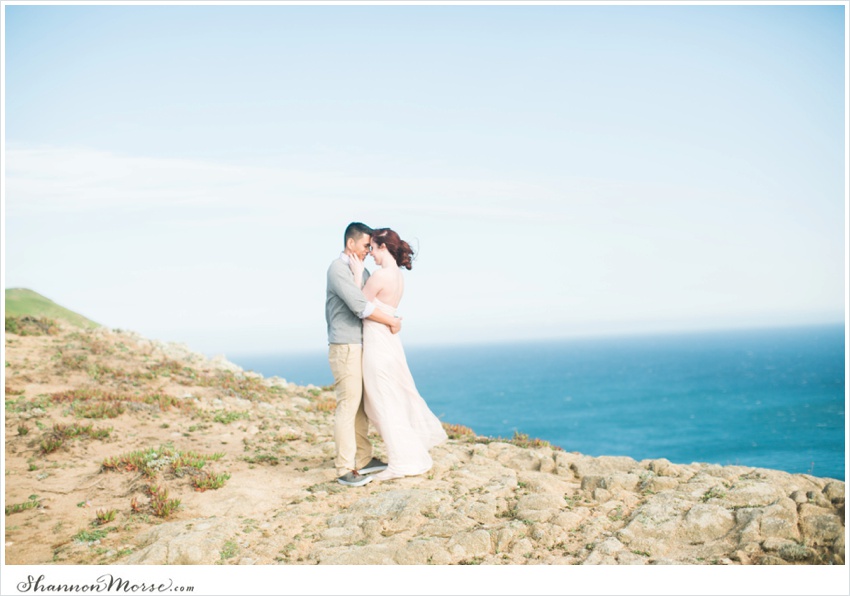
705, 523
195, 542
472, 544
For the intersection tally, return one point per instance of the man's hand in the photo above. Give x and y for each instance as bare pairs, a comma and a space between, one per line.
357, 267
395, 326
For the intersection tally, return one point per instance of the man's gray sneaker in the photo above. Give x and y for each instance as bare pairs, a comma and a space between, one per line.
373, 466
353, 478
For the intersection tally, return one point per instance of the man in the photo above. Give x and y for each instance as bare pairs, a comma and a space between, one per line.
345, 309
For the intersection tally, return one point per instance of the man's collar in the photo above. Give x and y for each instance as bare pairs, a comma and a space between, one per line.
345, 258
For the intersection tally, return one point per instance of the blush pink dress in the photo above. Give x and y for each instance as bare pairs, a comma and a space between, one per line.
400, 415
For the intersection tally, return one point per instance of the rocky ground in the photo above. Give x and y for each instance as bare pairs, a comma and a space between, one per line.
124, 450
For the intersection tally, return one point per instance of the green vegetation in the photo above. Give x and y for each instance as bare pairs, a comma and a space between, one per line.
160, 503
263, 458
104, 517
90, 536
97, 403
56, 437
26, 303
230, 550
209, 481
467, 435
31, 326
228, 417
30, 503
153, 460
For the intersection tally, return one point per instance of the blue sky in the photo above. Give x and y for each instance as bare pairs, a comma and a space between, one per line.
187, 171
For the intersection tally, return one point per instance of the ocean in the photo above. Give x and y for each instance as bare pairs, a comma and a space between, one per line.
772, 398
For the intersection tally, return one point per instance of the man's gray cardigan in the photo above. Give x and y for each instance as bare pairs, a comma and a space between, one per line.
344, 305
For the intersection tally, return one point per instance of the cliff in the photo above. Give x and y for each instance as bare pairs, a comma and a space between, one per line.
124, 450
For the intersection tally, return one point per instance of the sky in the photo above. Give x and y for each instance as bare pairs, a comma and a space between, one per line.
187, 172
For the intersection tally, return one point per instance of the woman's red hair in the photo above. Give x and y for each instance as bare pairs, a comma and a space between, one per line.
399, 249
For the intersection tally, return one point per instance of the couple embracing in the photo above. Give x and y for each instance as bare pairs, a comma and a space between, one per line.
371, 378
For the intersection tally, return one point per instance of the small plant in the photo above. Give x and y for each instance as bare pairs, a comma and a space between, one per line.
230, 550
228, 417
104, 517
99, 410
323, 405
75, 362
713, 493
160, 503
134, 505
457, 431
90, 536
30, 503
23, 430
263, 458
28, 325
51, 444
522, 440
209, 481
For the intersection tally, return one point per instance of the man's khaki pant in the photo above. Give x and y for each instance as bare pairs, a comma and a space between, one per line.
351, 426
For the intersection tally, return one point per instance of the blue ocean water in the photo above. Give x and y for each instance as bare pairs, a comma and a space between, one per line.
772, 398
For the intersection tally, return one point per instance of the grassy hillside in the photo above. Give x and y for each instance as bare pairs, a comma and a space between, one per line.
21, 302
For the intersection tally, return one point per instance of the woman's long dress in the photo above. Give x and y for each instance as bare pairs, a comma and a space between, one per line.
409, 429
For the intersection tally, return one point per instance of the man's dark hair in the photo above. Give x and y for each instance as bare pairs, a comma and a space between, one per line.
355, 230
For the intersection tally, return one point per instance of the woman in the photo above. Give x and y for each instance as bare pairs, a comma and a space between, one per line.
409, 429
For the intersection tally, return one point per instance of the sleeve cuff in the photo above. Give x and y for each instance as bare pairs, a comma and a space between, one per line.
370, 308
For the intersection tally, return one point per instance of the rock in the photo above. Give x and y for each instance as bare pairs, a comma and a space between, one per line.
522, 547
600, 495
470, 544
563, 463
446, 527
770, 560
799, 497
342, 535
818, 499
423, 552
742, 557
838, 547
704, 523
658, 484
609, 546
753, 494
602, 466
371, 554
522, 460
629, 558
663, 467
819, 530
539, 507
540, 482
834, 492
780, 520
505, 537
482, 511
591, 483
196, 542
568, 520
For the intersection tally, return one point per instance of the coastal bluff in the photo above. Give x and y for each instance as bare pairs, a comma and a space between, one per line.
124, 450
